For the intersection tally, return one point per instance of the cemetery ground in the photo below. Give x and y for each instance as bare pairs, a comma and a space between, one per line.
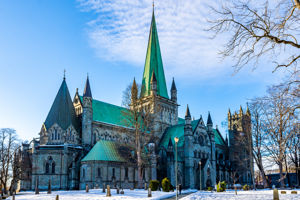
97, 194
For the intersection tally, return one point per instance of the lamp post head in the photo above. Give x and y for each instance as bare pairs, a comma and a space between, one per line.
199, 162
176, 139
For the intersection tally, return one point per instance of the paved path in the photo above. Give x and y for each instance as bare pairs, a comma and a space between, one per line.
179, 196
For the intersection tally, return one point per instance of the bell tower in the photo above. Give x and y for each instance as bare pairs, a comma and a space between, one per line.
154, 91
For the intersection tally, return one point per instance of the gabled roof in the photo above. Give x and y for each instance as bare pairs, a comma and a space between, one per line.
109, 151
178, 131
154, 64
175, 131
108, 113
62, 110
218, 138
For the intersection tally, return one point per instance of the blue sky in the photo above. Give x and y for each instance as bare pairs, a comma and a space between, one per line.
107, 40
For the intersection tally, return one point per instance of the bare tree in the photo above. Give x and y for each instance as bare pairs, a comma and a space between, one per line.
259, 137
278, 109
259, 28
139, 117
8, 144
294, 152
16, 170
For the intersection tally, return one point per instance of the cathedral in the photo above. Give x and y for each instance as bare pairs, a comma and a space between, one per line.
87, 141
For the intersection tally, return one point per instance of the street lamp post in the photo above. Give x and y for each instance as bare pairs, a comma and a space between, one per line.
176, 139
200, 176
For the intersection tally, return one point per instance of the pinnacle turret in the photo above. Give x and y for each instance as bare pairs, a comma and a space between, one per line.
187, 113
173, 87
87, 89
134, 91
209, 121
248, 111
173, 92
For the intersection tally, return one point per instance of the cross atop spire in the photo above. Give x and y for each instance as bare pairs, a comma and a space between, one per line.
64, 74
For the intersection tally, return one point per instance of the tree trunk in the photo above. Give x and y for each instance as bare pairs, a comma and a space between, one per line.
139, 160
281, 174
287, 173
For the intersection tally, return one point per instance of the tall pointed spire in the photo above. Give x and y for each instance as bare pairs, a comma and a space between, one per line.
62, 111
87, 89
154, 64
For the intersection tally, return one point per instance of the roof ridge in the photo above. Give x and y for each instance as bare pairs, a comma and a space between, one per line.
107, 103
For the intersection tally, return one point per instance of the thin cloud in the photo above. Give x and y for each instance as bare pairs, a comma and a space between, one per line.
120, 30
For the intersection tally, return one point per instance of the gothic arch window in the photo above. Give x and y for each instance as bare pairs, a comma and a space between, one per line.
126, 172
99, 172
83, 173
47, 168
113, 172
53, 167
50, 163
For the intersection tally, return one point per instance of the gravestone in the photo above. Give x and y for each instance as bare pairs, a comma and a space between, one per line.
145, 186
122, 191
149, 192
108, 194
57, 197
49, 187
275, 194
103, 188
37, 186
283, 192
86, 188
118, 190
294, 192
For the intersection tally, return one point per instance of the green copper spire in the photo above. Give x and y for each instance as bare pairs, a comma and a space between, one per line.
154, 64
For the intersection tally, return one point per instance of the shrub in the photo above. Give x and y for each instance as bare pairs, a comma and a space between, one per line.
219, 189
166, 184
209, 188
154, 184
172, 187
246, 187
223, 185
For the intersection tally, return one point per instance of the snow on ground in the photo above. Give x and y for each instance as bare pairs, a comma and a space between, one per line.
96, 194
242, 195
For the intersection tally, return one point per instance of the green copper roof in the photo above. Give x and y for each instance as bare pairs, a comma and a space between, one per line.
178, 131
154, 63
218, 137
108, 113
109, 151
62, 110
